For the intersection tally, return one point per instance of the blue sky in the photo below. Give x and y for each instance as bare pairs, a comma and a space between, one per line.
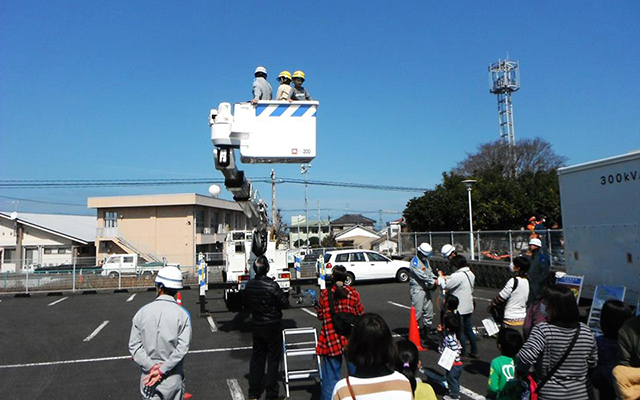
122, 90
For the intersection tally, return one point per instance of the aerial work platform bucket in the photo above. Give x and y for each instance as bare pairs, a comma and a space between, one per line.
267, 132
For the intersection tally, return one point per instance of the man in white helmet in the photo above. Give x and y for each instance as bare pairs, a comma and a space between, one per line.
160, 337
261, 88
422, 281
540, 264
448, 252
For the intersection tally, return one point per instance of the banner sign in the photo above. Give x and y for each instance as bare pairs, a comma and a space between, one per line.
573, 282
601, 295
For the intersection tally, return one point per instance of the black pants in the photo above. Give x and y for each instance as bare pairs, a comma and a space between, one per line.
267, 345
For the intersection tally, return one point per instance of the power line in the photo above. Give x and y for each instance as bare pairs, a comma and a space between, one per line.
43, 202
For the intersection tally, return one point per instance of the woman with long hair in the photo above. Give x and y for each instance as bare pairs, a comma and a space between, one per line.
373, 353
331, 345
563, 350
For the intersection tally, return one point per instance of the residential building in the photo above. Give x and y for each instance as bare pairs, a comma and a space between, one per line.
172, 226
30, 240
357, 236
318, 230
350, 220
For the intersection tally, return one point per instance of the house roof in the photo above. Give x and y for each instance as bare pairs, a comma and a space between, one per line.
161, 200
353, 219
80, 228
356, 231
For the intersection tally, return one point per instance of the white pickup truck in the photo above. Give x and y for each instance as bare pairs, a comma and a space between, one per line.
128, 264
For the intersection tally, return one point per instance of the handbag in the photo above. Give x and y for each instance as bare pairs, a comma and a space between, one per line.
497, 310
342, 322
531, 387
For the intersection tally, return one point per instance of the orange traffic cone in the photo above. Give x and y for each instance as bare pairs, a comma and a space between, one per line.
187, 395
179, 299
414, 331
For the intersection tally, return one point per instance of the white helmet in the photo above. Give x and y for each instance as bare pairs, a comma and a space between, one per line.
261, 69
535, 242
425, 249
170, 277
446, 250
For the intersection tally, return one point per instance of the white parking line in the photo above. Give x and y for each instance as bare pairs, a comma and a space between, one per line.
309, 312
480, 298
234, 388
98, 329
57, 301
399, 305
132, 296
212, 323
441, 379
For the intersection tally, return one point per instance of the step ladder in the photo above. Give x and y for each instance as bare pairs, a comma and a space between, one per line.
300, 348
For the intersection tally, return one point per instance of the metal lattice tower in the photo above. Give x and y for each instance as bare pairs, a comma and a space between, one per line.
505, 79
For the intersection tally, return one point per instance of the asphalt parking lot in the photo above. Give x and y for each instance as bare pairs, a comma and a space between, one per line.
75, 346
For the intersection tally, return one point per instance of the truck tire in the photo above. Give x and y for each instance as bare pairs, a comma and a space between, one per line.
146, 275
351, 278
113, 275
402, 275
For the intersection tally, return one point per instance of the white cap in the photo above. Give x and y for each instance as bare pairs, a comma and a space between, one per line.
425, 248
260, 69
447, 249
535, 242
170, 277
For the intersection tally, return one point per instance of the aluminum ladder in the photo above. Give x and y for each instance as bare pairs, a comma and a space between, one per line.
300, 349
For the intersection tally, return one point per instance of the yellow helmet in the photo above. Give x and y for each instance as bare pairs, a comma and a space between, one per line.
298, 74
285, 74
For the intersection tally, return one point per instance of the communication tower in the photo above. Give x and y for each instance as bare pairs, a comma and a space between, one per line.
505, 79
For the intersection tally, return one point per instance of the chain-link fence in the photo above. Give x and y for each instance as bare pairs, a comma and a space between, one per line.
488, 245
82, 274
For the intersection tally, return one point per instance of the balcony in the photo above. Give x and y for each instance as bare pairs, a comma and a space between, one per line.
108, 233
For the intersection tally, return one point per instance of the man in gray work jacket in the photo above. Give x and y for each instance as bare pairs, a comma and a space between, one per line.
261, 88
160, 337
422, 281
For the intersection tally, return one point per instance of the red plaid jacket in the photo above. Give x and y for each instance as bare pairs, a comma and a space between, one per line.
329, 342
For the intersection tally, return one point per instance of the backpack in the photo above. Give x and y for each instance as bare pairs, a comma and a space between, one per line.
342, 322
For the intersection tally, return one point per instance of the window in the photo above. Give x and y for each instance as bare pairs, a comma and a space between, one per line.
357, 257
127, 260
342, 257
376, 257
9, 254
213, 221
64, 250
110, 219
199, 221
48, 251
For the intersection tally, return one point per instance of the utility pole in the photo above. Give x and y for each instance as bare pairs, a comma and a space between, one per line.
305, 171
319, 225
273, 197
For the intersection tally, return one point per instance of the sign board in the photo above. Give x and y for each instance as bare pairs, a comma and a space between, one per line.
573, 282
601, 295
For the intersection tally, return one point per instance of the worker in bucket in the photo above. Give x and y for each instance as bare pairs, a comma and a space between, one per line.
299, 93
540, 264
422, 281
261, 88
284, 90
160, 338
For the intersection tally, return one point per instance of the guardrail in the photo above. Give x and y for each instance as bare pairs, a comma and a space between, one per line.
499, 246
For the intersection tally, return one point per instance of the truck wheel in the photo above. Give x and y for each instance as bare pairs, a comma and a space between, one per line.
113, 275
350, 279
146, 275
402, 276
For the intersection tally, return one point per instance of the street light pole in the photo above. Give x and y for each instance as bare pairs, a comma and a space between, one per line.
469, 183
305, 171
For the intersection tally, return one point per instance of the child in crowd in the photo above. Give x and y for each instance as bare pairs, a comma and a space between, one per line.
298, 93
613, 315
502, 382
451, 303
284, 90
450, 340
408, 363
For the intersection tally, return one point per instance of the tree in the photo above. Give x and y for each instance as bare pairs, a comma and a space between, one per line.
501, 200
280, 229
528, 155
329, 240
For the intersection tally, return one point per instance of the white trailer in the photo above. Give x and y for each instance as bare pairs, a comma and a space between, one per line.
601, 219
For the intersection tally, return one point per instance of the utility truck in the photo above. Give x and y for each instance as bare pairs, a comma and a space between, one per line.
129, 264
601, 220
268, 132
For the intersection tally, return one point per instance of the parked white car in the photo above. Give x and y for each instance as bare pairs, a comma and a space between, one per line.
363, 265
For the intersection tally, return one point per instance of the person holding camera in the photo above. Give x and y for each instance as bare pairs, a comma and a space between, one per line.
265, 300
335, 299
